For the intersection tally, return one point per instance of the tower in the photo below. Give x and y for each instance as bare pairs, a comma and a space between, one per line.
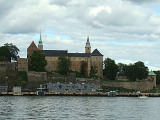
40, 43
88, 46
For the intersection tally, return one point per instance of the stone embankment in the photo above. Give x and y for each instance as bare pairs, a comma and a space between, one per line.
42, 76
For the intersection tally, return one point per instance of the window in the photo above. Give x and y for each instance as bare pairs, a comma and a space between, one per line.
99, 64
96, 58
79, 58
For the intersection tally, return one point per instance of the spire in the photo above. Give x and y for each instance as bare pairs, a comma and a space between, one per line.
40, 40
40, 43
88, 39
88, 43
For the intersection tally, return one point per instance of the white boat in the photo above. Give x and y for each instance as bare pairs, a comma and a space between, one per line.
143, 96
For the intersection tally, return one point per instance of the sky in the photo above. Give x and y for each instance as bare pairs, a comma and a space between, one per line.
126, 31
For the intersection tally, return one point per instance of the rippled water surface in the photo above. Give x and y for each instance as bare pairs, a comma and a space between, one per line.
78, 108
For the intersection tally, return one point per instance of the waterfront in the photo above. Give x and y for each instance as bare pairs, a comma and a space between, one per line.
79, 108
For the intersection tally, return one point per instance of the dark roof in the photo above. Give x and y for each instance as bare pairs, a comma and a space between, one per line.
54, 52
96, 53
79, 54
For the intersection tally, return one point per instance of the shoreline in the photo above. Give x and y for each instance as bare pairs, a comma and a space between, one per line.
98, 94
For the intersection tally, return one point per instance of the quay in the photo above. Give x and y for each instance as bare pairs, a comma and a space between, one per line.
79, 94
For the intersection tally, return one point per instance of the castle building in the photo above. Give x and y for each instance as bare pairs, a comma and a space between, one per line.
92, 59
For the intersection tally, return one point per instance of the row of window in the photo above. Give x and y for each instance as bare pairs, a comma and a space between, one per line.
76, 58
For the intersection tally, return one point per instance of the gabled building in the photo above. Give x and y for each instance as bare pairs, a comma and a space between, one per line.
92, 59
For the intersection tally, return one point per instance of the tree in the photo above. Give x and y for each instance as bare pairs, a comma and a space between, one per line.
157, 76
137, 71
8, 52
93, 71
83, 70
110, 69
141, 70
63, 65
130, 72
38, 61
122, 69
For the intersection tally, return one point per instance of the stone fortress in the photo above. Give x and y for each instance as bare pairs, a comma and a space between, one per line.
94, 58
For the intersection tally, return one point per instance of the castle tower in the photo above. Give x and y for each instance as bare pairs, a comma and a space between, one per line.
88, 46
40, 43
152, 77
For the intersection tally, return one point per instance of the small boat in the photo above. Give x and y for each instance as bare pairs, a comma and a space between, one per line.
143, 96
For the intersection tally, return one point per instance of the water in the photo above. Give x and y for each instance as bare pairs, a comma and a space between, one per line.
78, 108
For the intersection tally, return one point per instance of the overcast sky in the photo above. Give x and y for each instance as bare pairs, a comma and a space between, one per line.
124, 30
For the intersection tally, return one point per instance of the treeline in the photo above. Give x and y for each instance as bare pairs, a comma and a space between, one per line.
133, 72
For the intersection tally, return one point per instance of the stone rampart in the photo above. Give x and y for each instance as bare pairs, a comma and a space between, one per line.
36, 76
140, 85
7, 65
23, 64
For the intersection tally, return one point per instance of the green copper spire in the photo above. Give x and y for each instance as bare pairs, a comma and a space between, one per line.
40, 41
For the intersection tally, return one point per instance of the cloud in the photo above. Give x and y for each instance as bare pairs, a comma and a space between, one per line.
122, 30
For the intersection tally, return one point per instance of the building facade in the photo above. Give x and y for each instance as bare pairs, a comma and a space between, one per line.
92, 59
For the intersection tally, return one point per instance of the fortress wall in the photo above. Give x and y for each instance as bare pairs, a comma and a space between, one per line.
36, 76
141, 85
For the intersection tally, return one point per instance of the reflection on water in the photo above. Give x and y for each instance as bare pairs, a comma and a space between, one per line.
79, 108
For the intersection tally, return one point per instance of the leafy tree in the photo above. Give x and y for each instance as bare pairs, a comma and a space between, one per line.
141, 70
13, 50
137, 71
8, 52
157, 76
93, 71
63, 65
130, 72
38, 61
83, 70
122, 69
110, 69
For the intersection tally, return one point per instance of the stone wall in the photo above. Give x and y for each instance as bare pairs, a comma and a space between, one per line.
141, 85
23, 64
36, 76
7, 65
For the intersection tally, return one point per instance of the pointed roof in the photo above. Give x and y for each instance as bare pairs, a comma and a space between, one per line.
32, 46
88, 39
40, 40
96, 53
151, 73
88, 43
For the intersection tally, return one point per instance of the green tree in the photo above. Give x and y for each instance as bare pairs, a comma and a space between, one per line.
83, 70
130, 72
38, 61
63, 65
93, 71
8, 52
122, 69
141, 70
157, 76
110, 69
137, 71
13, 50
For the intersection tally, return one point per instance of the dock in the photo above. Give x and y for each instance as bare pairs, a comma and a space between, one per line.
98, 94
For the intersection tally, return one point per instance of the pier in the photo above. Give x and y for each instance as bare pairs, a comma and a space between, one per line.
79, 94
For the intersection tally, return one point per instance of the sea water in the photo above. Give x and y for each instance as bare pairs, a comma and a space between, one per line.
78, 108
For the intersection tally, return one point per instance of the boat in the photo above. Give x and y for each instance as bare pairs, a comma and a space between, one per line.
143, 96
